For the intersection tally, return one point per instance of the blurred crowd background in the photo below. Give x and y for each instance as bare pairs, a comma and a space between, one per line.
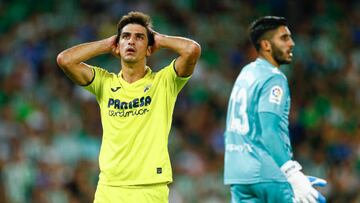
50, 130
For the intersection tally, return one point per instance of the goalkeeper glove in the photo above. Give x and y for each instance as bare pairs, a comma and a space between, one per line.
315, 181
301, 185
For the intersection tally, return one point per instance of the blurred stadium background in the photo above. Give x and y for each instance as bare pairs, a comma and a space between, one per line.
50, 130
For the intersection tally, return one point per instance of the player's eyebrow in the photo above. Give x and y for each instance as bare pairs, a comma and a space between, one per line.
140, 34
285, 36
129, 33
125, 33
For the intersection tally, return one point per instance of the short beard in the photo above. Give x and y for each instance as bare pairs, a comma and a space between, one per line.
278, 55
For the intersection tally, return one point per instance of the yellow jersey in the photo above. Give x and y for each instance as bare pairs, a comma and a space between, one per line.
136, 121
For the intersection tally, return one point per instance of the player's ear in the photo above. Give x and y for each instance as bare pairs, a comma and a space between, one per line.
117, 48
265, 45
149, 51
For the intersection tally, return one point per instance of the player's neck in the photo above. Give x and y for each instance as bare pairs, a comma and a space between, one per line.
133, 72
269, 58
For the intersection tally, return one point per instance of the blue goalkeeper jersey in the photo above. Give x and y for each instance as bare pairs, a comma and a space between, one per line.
260, 87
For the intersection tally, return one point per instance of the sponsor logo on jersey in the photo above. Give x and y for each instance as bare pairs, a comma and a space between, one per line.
276, 94
238, 148
135, 103
132, 108
128, 113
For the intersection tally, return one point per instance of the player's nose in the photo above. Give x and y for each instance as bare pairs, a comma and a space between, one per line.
292, 43
131, 40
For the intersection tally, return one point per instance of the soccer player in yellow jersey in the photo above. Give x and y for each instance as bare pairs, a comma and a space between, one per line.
136, 107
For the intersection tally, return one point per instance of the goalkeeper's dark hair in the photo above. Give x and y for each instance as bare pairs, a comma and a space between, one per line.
261, 26
135, 17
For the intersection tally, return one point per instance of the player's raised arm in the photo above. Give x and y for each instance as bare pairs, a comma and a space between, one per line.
72, 60
188, 49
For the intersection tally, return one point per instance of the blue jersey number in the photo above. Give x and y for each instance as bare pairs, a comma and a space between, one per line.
239, 122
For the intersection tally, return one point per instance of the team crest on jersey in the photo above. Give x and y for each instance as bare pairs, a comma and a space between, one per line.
276, 94
147, 87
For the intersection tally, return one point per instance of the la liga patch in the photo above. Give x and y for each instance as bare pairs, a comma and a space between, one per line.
276, 94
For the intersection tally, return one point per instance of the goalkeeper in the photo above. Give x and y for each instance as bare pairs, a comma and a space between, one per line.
258, 154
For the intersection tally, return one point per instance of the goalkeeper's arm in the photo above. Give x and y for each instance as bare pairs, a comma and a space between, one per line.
303, 190
270, 137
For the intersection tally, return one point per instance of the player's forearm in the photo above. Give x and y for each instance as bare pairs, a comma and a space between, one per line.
189, 52
183, 46
83, 52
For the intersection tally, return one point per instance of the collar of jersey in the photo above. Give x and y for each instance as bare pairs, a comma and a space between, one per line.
265, 63
136, 83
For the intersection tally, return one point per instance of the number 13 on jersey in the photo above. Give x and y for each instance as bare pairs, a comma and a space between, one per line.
239, 122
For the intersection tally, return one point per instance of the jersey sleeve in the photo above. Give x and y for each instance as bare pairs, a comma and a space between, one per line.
172, 81
273, 95
95, 86
271, 139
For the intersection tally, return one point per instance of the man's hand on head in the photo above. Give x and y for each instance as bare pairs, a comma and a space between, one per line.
113, 45
157, 39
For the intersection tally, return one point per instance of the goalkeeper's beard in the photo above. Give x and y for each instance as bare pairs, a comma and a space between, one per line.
278, 55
